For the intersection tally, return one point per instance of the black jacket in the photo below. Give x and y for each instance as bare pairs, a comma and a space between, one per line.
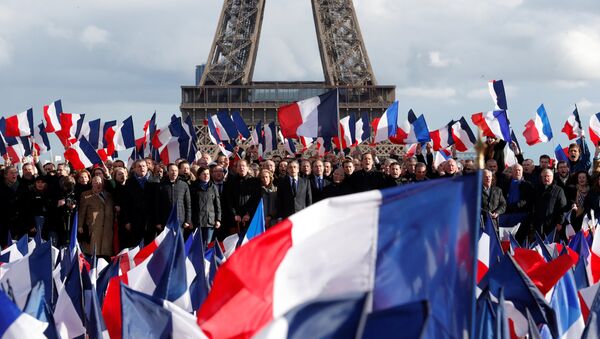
243, 195
289, 203
141, 208
492, 201
526, 192
175, 194
206, 205
549, 206
318, 194
362, 181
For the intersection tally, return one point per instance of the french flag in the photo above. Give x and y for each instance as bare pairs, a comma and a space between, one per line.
52, 114
225, 126
91, 131
196, 269
16, 324
562, 154
538, 129
385, 259
412, 130
496, 88
69, 315
105, 127
71, 125
120, 138
441, 156
493, 124
288, 145
362, 129
20, 125
385, 127
313, 117
171, 151
82, 155
347, 130
40, 139
411, 151
573, 127
270, 138
442, 137
240, 125
463, 136
257, 225
595, 128
565, 303
16, 149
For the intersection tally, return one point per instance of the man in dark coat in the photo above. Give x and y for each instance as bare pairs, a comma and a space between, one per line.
492, 200
293, 192
518, 193
549, 205
367, 178
140, 211
12, 202
243, 194
175, 193
206, 205
318, 181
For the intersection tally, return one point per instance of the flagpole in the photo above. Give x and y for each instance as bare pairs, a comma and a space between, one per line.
339, 128
480, 147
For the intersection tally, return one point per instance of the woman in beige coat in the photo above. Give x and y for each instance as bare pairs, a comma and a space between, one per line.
96, 219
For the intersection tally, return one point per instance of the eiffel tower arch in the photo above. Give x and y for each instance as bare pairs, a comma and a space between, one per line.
225, 82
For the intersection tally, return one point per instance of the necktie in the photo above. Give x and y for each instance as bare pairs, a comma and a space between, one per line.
320, 183
294, 187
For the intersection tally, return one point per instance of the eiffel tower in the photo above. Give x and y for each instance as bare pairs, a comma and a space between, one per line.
225, 81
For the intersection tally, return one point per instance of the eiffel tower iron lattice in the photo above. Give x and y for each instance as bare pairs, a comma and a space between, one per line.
226, 81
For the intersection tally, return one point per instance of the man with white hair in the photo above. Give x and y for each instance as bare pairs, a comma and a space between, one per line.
518, 193
492, 200
549, 205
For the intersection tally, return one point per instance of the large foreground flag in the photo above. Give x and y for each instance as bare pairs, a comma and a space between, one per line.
573, 127
313, 117
538, 129
20, 125
304, 259
16, 324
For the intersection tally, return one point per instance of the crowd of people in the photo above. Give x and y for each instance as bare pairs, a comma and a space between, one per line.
119, 207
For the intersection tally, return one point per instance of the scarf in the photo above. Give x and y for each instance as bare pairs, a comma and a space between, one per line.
513, 192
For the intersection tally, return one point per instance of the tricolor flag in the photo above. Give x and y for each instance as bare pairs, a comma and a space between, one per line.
442, 137
91, 131
82, 155
347, 130
270, 138
385, 127
493, 124
240, 125
257, 225
120, 138
573, 127
538, 129
71, 125
105, 127
385, 259
363, 129
562, 154
288, 145
20, 125
40, 139
313, 117
52, 116
441, 156
496, 88
412, 130
463, 136
225, 126
595, 128
16, 324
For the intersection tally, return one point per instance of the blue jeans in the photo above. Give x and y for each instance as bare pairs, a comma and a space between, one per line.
207, 234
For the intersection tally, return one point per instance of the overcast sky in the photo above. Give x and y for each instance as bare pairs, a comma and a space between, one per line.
115, 58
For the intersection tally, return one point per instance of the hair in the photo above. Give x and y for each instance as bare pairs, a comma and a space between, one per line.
80, 173
544, 156
420, 165
172, 164
562, 162
137, 162
202, 169
181, 163
271, 177
547, 170
574, 145
487, 171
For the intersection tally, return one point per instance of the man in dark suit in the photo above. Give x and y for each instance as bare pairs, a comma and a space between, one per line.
550, 204
492, 200
243, 194
318, 181
293, 192
140, 211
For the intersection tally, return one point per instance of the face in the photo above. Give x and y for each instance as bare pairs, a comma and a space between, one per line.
40, 185
563, 169
517, 172
120, 176
547, 177
318, 168
223, 161
338, 175
98, 172
270, 165
487, 179
348, 168
544, 163
149, 164
420, 172
141, 169
574, 153
83, 179
185, 169
395, 171
451, 166
173, 173
62, 170
492, 165
49, 167
283, 167
582, 179
412, 162
27, 171
265, 178
11, 175
528, 166
159, 171
293, 169
218, 174
242, 168
327, 168
97, 184
367, 162
306, 167
204, 175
